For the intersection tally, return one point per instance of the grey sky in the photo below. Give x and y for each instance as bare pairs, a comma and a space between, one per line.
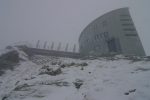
63, 20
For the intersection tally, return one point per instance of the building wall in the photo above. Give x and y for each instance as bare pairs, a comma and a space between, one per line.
114, 32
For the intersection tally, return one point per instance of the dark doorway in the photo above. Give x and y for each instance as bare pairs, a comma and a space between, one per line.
114, 45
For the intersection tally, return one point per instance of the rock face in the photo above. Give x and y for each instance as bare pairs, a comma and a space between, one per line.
8, 60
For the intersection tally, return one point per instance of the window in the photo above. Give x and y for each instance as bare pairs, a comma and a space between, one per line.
95, 36
100, 35
125, 19
104, 23
127, 24
87, 40
123, 15
103, 35
130, 34
129, 29
106, 35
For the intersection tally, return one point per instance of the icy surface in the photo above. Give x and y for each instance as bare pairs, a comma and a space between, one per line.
98, 79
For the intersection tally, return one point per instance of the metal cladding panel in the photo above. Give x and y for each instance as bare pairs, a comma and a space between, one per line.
114, 32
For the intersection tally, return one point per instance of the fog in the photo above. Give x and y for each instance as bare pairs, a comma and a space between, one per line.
63, 20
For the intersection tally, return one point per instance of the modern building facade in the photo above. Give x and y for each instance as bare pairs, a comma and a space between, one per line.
113, 32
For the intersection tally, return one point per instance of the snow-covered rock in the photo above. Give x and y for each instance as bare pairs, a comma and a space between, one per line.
116, 78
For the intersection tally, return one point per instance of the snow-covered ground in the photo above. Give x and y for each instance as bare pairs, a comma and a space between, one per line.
76, 79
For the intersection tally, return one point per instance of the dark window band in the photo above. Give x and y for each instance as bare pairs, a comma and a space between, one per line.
130, 34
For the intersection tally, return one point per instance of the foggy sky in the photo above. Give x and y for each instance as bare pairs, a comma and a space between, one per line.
63, 20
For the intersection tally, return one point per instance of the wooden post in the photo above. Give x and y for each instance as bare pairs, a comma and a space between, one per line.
45, 45
52, 46
66, 49
59, 47
37, 44
74, 48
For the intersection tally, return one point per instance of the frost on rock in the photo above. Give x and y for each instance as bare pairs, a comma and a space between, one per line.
54, 78
11, 58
